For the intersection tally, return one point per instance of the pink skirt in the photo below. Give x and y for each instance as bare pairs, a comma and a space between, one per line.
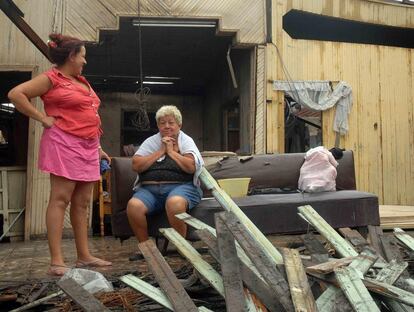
69, 156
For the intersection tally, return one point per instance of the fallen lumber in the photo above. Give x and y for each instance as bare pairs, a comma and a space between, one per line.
38, 302
339, 243
250, 279
80, 296
261, 259
230, 268
151, 292
229, 205
355, 291
165, 277
300, 291
405, 238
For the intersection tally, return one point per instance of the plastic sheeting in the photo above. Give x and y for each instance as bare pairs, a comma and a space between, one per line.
318, 96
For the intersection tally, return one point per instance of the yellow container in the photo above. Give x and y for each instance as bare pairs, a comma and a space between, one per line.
236, 187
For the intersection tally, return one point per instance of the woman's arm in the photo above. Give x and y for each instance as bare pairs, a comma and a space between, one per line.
142, 163
186, 162
20, 96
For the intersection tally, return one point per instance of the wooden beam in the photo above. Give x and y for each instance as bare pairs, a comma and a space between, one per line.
339, 243
203, 267
405, 238
230, 268
354, 237
80, 296
315, 248
14, 14
261, 259
300, 291
151, 292
355, 291
199, 225
374, 236
330, 266
390, 291
165, 277
250, 279
229, 205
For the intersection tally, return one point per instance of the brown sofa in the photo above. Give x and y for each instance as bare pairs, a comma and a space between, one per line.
272, 213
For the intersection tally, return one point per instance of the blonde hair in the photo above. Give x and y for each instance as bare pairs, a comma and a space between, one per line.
169, 110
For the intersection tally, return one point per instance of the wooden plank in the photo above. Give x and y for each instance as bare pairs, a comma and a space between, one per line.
332, 295
390, 291
250, 279
393, 216
261, 259
300, 291
188, 251
79, 295
354, 237
315, 248
229, 205
165, 277
374, 236
340, 244
151, 292
353, 288
230, 268
391, 272
389, 275
328, 267
199, 225
405, 238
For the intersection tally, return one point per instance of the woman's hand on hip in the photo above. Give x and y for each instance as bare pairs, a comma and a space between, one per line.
47, 121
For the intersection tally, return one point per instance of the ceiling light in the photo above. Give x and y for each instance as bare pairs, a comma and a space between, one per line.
162, 77
158, 82
174, 23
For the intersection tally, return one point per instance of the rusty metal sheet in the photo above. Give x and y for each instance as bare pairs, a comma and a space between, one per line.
165, 277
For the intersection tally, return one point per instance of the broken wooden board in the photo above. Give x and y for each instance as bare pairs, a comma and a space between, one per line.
354, 237
250, 279
375, 235
329, 266
405, 238
317, 251
79, 295
300, 291
229, 205
199, 225
150, 291
188, 251
230, 268
166, 278
354, 290
261, 259
339, 243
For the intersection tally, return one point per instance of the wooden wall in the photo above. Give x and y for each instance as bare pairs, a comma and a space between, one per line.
243, 19
381, 121
18, 53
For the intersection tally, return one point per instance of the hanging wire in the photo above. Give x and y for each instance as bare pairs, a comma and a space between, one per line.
140, 119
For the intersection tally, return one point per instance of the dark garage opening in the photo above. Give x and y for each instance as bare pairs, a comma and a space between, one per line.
182, 66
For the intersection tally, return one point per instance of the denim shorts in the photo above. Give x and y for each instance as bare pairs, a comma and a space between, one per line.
154, 196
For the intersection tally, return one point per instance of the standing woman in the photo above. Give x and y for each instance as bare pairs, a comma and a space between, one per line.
69, 147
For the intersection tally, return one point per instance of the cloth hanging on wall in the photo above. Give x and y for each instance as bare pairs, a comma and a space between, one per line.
319, 96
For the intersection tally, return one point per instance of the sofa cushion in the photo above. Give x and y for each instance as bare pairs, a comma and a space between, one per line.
278, 214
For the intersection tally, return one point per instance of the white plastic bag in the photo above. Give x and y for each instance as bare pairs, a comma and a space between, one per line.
91, 281
318, 172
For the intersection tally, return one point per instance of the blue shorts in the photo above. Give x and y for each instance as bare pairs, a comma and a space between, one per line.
154, 196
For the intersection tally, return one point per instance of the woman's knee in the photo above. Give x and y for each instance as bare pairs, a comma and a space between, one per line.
136, 207
176, 204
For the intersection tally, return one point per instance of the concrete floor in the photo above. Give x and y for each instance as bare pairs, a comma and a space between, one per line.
25, 261
29, 261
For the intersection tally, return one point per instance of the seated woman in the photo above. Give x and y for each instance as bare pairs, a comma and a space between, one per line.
168, 165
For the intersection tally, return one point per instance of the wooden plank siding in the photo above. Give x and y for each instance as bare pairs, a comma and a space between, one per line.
246, 18
381, 120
